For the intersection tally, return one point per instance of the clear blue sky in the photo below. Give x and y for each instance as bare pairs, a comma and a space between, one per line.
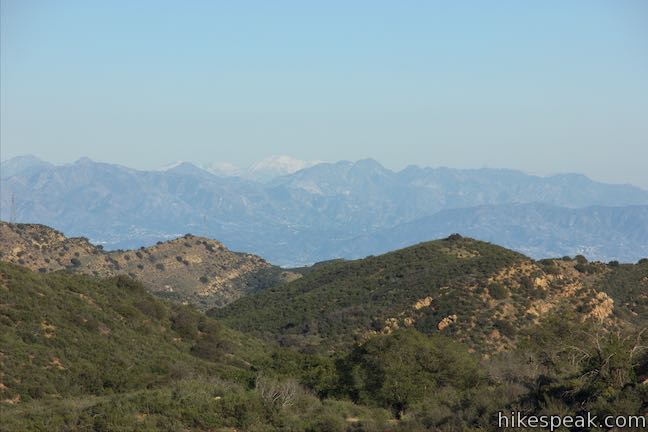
541, 86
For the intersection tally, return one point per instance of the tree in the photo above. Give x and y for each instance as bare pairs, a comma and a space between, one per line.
405, 367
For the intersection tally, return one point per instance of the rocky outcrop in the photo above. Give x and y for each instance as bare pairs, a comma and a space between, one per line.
447, 322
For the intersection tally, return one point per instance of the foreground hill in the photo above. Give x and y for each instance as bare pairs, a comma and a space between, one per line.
65, 334
315, 214
481, 294
81, 353
189, 269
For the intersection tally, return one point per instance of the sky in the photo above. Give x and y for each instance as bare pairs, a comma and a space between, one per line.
541, 86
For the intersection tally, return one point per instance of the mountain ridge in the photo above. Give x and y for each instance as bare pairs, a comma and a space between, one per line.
189, 269
601, 231
482, 295
305, 217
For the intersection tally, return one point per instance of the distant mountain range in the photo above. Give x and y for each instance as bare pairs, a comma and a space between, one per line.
328, 210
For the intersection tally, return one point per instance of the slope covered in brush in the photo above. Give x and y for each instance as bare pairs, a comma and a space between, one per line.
340, 302
190, 269
479, 293
81, 353
68, 335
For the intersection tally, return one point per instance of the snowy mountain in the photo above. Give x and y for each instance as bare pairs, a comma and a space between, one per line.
276, 166
223, 169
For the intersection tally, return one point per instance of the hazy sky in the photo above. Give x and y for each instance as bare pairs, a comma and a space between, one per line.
540, 86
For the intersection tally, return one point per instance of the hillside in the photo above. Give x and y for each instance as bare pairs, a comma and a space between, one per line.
65, 334
188, 269
321, 212
81, 353
481, 294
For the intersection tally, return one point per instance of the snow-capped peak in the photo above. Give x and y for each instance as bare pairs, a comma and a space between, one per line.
172, 165
222, 169
278, 165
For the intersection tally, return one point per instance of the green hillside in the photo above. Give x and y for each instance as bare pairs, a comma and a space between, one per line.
82, 353
480, 294
86, 354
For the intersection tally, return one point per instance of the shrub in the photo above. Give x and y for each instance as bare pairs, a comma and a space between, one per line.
498, 291
375, 371
585, 268
276, 394
152, 308
505, 328
185, 322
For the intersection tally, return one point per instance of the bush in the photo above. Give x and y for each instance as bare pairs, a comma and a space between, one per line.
585, 268
498, 291
376, 372
505, 328
210, 347
152, 308
185, 322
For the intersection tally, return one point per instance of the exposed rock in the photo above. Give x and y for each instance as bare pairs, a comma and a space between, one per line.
602, 307
423, 303
446, 322
391, 325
